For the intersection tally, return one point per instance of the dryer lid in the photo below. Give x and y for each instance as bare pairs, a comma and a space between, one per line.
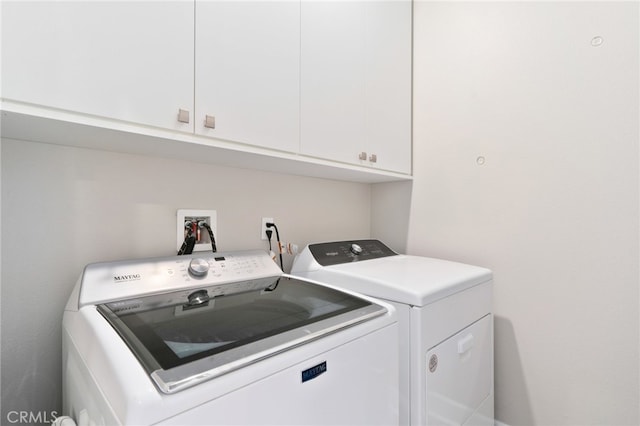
411, 280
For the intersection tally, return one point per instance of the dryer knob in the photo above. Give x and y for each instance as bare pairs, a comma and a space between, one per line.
356, 249
198, 268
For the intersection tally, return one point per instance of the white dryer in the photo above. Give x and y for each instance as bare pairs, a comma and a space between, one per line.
446, 325
223, 339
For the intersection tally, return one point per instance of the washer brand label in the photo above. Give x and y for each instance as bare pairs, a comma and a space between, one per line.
125, 278
313, 372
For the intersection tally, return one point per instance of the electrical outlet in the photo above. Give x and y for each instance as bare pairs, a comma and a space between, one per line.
203, 242
263, 227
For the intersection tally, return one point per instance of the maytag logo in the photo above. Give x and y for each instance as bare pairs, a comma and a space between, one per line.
125, 278
313, 372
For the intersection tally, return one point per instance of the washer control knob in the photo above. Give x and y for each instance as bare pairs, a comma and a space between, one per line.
198, 267
355, 249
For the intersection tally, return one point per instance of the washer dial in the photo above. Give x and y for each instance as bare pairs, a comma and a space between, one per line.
198, 268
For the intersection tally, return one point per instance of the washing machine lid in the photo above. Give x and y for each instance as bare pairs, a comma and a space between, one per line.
183, 338
412, 280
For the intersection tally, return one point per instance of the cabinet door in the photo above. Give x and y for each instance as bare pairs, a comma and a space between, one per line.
130, 61
356, 82
388, 84
332, 79
248, 72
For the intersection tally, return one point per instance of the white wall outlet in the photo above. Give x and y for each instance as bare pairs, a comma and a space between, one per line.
263, 227
203, 242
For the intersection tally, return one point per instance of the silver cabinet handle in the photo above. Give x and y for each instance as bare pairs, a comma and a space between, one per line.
210, 121
362, 156
373, 158
183, 116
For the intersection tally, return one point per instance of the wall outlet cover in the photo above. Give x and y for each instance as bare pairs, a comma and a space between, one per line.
263, 226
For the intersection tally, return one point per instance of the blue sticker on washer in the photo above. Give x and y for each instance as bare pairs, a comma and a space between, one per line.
313, 372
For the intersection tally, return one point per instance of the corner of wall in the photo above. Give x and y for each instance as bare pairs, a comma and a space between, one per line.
390, 209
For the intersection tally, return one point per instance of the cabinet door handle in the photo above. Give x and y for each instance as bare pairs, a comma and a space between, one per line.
373, 158
362, 156
210, 121
183, 116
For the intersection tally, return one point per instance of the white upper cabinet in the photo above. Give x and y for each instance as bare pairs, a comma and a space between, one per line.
311, 87
130, 61
248, 72
356, 82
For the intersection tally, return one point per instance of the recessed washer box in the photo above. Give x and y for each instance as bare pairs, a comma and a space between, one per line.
203, 242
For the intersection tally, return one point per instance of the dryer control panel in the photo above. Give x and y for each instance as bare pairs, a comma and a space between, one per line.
337, 252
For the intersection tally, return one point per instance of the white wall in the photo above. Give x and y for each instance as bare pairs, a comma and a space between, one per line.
64, 207
554, 208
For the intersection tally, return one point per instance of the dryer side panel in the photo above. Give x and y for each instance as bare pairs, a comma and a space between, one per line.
459, 375
434, 324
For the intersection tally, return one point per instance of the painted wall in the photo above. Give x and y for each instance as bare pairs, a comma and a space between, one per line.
64, 207
526, 160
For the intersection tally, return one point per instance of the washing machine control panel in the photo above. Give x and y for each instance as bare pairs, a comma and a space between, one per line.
220, 273
337, 252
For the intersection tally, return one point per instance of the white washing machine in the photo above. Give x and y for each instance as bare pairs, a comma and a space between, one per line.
222, 339
446, 325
